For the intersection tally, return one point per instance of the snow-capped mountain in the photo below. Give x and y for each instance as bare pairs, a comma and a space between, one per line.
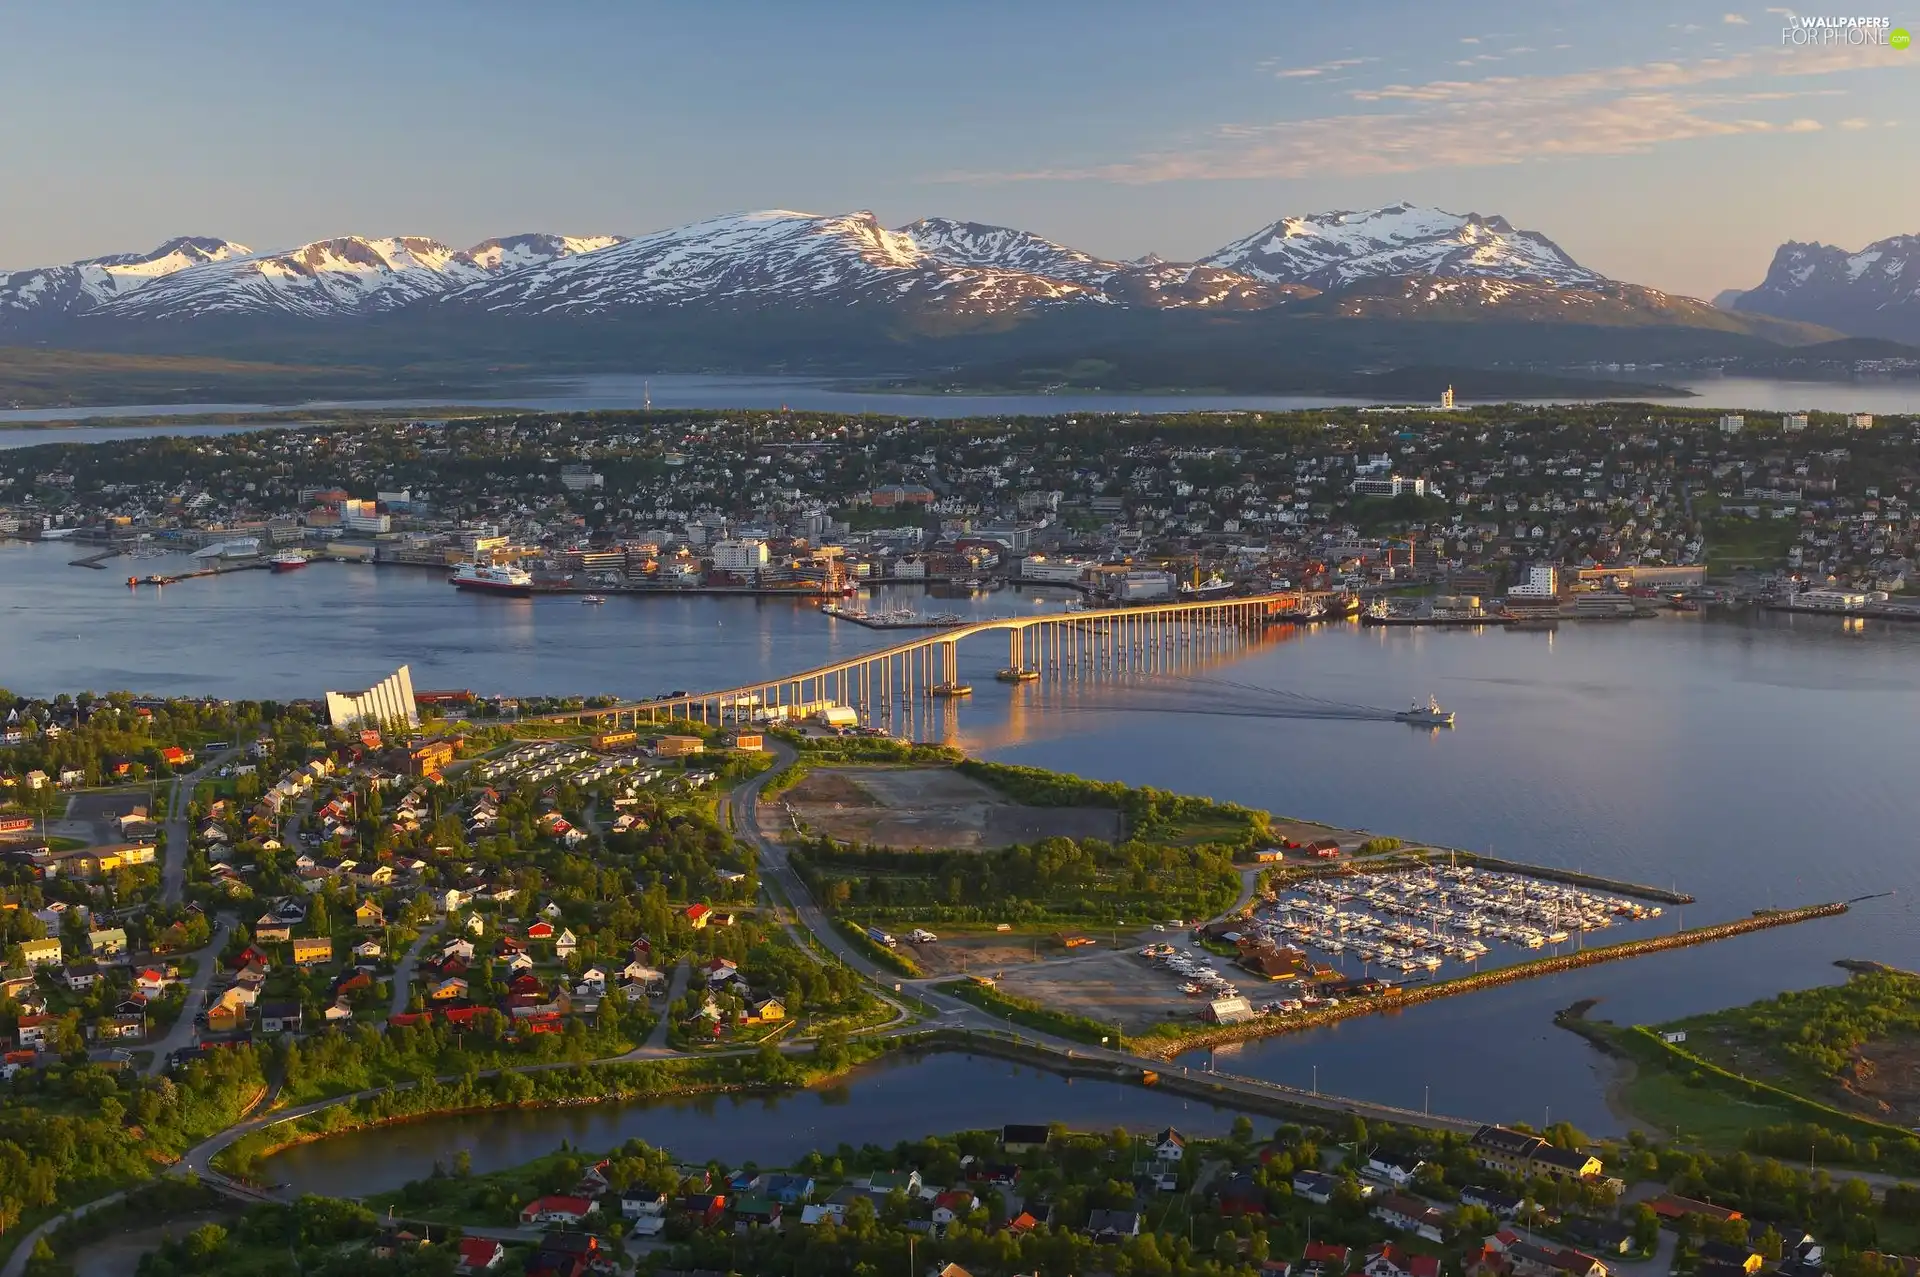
749, 260
1335, 250
350, 275
1148, 281
1397, 262
976, 244
1872, 293
80, 286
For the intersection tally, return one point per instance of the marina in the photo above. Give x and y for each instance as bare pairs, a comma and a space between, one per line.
1413, 921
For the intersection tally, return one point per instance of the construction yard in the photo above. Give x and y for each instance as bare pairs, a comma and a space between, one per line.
931, 809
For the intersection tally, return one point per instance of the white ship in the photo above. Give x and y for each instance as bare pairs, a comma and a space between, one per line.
486, 579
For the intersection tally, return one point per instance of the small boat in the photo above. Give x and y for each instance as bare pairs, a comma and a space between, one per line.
287, 561
1428, 715
592, 600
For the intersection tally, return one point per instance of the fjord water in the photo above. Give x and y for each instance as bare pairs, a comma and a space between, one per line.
608, 392
1755, 760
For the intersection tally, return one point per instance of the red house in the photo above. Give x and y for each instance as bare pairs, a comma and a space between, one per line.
557, 1210
175, 756
478, 1255
540, 931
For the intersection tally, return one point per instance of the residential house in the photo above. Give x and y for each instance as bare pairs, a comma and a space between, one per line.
447, 990
312, 951
272, 930
955, 1204
564, 944
1607, 1236
1410, 1215
557, 1210
1323, 1259
789, 1190
1388, 1259
40, 953
1315, 1186
755, 1210
1671, 1206
1110, 1226
1526, 1156
1740, 1256
703, 1210
698, 916
152, 982
367, 915
280, 1017
367, 951
108, 942
1242, 1195
1388, 1171
478, 1255
35, 1031
1502, 1204
1169, 1145
636, 1203
1018, 1138
228, 1013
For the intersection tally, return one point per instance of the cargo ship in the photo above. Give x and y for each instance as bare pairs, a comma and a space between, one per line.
486, 579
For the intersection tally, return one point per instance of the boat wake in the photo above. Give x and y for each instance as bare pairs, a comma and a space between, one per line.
1225, 698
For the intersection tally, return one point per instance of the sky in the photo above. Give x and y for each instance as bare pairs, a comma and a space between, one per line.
1672, 144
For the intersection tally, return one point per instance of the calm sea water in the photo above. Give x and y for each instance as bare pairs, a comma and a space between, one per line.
1753, 761
613, 391
883, 1104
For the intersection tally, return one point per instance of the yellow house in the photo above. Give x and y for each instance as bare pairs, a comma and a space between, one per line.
678, 746
39, 953
765, 1012
312, 951
368, 914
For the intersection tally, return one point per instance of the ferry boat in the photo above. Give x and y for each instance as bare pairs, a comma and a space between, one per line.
1428, 715
486, 579
591, 600
287, 561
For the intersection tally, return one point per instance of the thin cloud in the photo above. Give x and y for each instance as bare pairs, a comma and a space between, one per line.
1319, 69
1855, 124
1734, 19
1498, 120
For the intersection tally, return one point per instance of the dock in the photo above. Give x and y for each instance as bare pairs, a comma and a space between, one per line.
96, 561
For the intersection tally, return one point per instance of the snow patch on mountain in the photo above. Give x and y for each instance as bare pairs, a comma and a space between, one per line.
1343, 248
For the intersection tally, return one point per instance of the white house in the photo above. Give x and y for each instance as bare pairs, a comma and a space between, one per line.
1169, 1145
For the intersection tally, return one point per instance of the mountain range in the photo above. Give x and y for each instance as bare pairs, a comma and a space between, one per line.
1347, 292
1872, 293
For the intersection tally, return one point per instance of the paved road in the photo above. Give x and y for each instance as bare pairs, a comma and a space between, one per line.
656, 1043
16, 1263
403, 972
173, 872
206, 963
